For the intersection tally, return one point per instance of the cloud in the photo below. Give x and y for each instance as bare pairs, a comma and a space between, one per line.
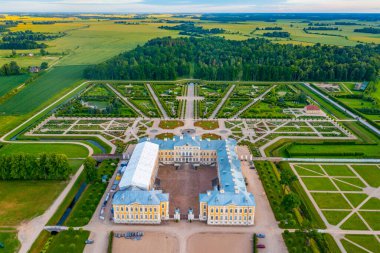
186, 6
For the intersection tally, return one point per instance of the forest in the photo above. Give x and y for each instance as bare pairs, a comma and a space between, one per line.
34, 167
368, 30
215, 58
28, 35
277, 34
191, 30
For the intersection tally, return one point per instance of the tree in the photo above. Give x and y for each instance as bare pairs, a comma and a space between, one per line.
291, 201
44, 65
287, 177
90, 169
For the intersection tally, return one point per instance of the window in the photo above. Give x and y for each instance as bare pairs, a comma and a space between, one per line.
122, 208
117, 208
150, 216
212, 217
155, 217
122, 216
118, 216
163, 205
150, 209
240, 211
250, 210
245, 210
146, 209
216, 217
212, 209
140, 209
155, 209
146, 216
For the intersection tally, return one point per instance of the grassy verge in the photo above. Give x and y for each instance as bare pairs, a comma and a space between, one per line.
110, 241
40, 242
72, 241
10, 242
87, 203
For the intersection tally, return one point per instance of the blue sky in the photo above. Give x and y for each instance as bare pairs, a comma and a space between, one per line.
186, 6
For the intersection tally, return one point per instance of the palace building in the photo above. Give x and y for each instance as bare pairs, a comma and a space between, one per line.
229, 203
137, 202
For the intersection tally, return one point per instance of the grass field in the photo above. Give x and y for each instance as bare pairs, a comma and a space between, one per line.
7, 83
42, 89
10, 242
71, 150
24, 200
367, 241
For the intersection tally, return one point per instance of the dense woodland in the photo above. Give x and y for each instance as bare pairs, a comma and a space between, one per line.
191, 30
28, 35
277, 34
34, 167
214, 58
368, 30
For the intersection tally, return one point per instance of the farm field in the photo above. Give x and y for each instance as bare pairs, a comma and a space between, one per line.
7, 83
41, 90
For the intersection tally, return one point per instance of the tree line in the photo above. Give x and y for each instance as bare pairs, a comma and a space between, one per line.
10, 69
277, 34
29, 36
215, 58
368, 30
34, 167
191, 30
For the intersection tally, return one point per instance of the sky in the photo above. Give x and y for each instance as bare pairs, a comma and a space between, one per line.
190, 6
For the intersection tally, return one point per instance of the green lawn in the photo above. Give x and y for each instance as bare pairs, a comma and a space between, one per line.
170, 124
356, 198
10, 242
367, 241
372, 204
69, 241
370, 173
71, 150
207, 125
351, 248
347, 187
318, 184
24, 200
334, 217
309, 170
354, 223
330, 201
338, 170
372, 218
7, 83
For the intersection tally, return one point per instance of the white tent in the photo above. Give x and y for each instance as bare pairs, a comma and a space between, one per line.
141, 166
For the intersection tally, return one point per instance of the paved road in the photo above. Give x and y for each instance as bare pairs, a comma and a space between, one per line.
253, 102
126, 100
353, 115
190, 102
163, 112
215, 112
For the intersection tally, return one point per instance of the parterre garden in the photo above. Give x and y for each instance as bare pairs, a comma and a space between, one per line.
138, 94
348, 197
281, 97
212, 94
97, 100
240, 97
167, 94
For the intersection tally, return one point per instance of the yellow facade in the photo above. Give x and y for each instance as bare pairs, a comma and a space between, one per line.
137, 213
230, 214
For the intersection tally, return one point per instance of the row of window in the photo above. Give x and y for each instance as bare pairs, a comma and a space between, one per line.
226, 218
136, 209
231, 210
127, 216
189, 159
184, 153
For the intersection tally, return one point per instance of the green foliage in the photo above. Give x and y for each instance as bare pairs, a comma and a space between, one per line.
214, 58
68, 241
291, 201
90, 169
10, 69
287, 177
34, 167
10, 242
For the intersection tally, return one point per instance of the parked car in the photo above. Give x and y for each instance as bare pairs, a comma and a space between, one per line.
260, 246
260, 235
89, 241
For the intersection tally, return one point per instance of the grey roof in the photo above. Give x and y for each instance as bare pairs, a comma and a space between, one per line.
131, 196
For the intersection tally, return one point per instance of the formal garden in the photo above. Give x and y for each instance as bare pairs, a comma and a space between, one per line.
139, 95
168, 96
241, 96
283, 96
212, 94
98, 101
